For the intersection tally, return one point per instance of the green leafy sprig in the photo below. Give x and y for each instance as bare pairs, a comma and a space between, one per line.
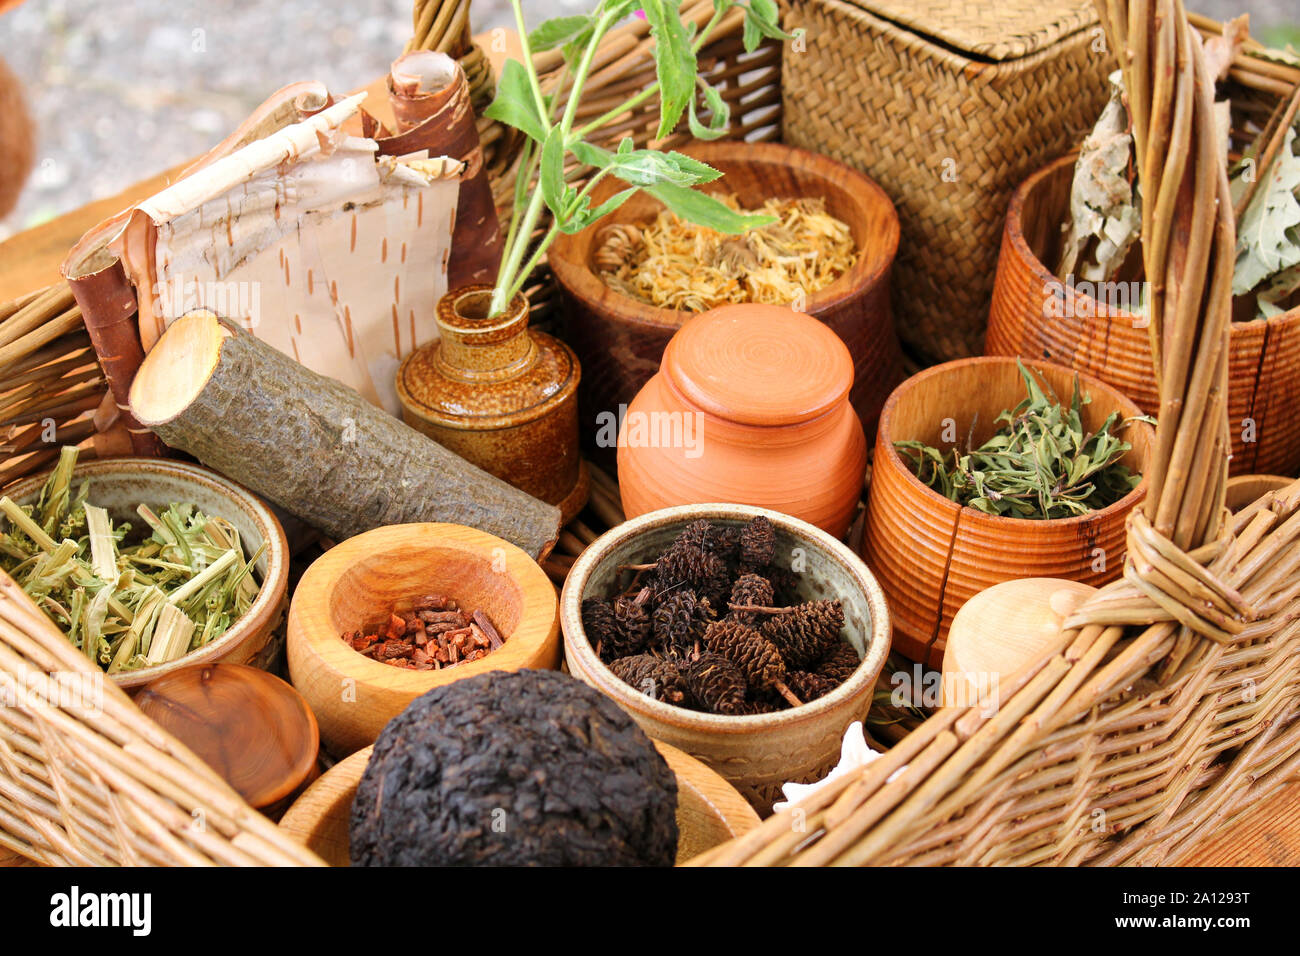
669, 176
1042, 462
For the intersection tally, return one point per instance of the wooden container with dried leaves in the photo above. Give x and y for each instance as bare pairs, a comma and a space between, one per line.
932, 553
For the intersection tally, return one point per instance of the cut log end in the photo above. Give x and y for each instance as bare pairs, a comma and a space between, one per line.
177, 368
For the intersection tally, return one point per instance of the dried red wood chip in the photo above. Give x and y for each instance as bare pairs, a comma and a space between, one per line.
435, 633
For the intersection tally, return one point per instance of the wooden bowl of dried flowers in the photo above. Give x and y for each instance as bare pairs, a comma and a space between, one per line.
709, 810
932, 552
747, 638
639, 275
392, 613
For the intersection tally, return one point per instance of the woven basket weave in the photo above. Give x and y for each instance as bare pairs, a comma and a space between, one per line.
85, 778
949, 106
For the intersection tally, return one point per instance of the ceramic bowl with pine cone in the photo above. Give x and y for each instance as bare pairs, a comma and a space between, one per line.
757, 753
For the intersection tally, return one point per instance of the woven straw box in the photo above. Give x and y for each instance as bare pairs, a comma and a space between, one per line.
949, 105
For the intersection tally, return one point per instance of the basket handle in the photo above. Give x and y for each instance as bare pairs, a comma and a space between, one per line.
1188, 253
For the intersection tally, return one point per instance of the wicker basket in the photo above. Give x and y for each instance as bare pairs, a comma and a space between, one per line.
949, 107
1129, 742
1170, 702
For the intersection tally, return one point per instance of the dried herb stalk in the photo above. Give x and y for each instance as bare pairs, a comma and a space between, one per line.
126, 606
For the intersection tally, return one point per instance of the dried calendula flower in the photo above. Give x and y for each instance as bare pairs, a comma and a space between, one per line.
676, 264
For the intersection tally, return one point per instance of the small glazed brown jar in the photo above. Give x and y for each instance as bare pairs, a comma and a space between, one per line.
500, 395
750, 406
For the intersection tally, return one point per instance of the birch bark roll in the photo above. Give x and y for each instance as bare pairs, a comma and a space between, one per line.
99, 282
309, 239
431, 102
313, 445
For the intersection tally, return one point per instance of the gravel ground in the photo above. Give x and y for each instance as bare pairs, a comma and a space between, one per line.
125, 90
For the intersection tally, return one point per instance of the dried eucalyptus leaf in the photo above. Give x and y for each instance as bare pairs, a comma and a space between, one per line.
1268, 236
1104, 219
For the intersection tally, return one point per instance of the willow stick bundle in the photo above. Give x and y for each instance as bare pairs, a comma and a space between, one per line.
441, 25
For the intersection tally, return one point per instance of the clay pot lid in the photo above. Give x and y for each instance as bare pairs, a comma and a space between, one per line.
759, 365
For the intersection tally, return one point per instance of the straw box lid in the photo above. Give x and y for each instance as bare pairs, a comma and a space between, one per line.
989, 29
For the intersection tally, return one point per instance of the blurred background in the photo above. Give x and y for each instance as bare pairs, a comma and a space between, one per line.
121, 91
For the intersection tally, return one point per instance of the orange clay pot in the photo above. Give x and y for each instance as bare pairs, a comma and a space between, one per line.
750, 406
930, 554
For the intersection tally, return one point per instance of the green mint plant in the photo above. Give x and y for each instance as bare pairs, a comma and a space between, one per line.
668, 176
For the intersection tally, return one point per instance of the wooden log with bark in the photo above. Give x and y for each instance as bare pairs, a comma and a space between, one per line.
313, 445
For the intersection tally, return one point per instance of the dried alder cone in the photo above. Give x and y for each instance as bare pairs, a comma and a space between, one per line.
720, 637
751, 590
653, 676
807, 633
680, 620
716, 684
436, 633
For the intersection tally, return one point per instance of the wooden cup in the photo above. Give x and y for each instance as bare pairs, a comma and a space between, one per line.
365, 577
709, 810
932, 555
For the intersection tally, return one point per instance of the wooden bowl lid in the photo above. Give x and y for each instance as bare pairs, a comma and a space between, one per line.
249, 726
759, 365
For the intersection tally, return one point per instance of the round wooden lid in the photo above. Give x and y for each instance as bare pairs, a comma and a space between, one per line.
249, 726
759, 365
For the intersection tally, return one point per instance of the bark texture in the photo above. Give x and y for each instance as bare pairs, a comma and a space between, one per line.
441, 120
319, 450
